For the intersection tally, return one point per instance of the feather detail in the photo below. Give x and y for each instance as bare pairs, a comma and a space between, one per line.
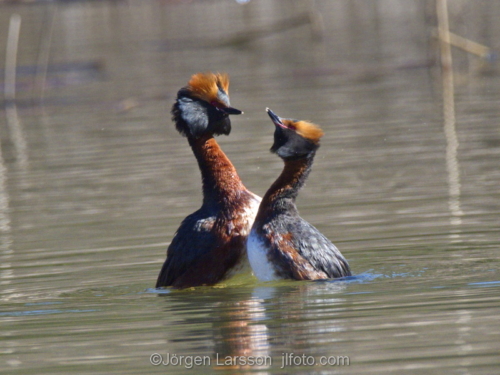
207, 85
305, 129
223, 82
204, 86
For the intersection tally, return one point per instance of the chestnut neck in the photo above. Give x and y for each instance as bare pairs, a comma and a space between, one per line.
282, 194
221, 183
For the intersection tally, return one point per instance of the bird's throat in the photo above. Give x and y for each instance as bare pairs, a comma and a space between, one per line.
221, 182
283, 192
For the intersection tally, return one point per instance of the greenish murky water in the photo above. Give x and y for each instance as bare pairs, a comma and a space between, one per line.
94, 181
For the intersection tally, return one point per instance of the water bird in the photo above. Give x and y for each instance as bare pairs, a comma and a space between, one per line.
210, 244
281, 244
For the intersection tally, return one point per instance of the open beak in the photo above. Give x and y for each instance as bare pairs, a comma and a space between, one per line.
276, 119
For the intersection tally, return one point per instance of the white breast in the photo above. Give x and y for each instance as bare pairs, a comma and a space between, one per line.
250, 212
257, 256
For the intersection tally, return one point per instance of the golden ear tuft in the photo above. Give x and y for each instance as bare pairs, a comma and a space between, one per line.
308, 130
223, 82
204, 86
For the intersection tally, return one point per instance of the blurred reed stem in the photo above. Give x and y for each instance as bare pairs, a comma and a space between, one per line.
11, 57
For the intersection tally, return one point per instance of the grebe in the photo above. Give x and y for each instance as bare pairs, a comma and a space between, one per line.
210, 244
281, 244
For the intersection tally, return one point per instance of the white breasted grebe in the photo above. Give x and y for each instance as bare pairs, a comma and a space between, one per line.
281, 244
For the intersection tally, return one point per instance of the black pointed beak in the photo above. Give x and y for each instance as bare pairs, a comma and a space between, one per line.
276, 119
231, 111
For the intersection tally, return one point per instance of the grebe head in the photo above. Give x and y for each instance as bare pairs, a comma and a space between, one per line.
202, 107
294, 139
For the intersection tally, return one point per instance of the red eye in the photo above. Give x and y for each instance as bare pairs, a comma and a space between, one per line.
216, 104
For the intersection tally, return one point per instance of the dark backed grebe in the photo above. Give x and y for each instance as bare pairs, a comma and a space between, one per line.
281, 244
210, 244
